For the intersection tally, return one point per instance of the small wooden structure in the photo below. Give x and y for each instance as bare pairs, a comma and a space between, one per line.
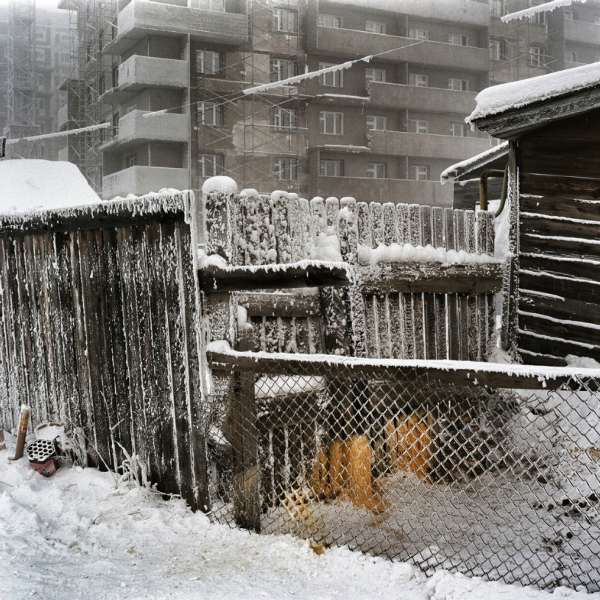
552, 123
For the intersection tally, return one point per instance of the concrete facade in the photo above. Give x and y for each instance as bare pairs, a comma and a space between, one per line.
398, 118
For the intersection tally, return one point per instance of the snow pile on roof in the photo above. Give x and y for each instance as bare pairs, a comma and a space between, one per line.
527, 13
508, 96
29, 185
77, 536
474, 162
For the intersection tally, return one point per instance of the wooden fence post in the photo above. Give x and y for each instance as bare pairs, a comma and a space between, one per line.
246, 466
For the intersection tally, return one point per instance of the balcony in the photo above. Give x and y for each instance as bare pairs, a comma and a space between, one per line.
582, 32
141, 18
268, 140
422, 99
139, 72
368, 189
467, 12
143, 179
352, 42
426, 145
141, 126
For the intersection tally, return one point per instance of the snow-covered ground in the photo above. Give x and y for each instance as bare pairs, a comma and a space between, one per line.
77, 536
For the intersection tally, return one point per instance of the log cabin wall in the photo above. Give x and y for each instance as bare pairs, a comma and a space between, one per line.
558, 306
98, 330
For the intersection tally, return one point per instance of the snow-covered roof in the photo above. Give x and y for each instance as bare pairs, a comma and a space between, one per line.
527, 13
30, 185
517, 94
474, 162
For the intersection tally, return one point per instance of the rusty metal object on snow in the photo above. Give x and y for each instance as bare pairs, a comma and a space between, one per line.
42, 455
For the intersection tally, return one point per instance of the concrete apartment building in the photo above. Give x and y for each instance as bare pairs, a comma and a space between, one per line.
35, 55
171, 78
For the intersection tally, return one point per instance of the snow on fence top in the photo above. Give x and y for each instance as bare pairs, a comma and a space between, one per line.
509, 96
253, 229
473, 162
110, 212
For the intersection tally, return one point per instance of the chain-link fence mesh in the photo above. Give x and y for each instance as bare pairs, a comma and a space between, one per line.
495, 482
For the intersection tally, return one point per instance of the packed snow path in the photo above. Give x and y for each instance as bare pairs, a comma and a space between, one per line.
75, 536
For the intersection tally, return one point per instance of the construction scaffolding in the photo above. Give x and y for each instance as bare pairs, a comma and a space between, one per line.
21, 92
92, 24
261, 138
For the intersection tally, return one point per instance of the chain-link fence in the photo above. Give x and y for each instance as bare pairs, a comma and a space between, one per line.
477, 473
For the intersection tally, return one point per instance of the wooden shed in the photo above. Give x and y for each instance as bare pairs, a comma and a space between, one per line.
552, 124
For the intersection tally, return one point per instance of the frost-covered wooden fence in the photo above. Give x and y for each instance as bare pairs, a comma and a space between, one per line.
419, 280
99, 320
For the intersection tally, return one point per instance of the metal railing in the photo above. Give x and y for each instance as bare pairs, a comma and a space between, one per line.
479, 469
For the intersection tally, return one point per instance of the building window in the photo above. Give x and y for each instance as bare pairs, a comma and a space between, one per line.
218, 5
331, 168
457, 129
209, 62
535, 56
282, 68
115, 123
375, 74
421, 172
331, 123
130, 160
333, 78
497, 8
538, 18
375, 27
285, 20
458, 85
419, 79
498, 50
115, 76
377, 170
210, 114
418, 34
283, 118
285, 168
419, 125
332, 21
101, 84
458, 39
210, 165
573, 56
376, 122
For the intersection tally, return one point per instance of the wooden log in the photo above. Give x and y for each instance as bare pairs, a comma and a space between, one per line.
390, 228
565, 266
403, 219
437, 278
246, 469
377, 225
537, 224
269, 304
561, 206
559, 246
426, 226
564, 286
559, 306
553, 185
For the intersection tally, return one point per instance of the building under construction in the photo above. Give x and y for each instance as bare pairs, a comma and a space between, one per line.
174, 79
34, 57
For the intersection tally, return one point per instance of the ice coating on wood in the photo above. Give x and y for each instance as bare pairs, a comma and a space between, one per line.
464, 166
220, 183
517, 94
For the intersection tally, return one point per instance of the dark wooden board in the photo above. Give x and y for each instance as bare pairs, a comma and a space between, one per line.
560, 228
568, 268
471, 278
568, 308
553, 185
566, 287
562, 247
215, 279
561, 206
279, 305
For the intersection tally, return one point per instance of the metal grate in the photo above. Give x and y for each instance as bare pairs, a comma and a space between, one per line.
489, 481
